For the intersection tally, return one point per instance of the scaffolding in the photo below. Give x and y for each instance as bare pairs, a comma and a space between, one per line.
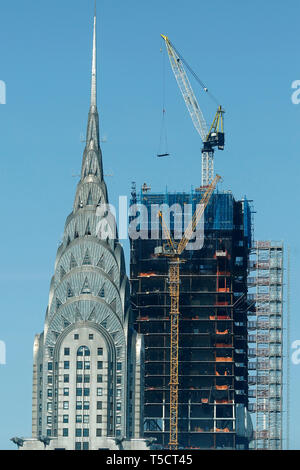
265, 328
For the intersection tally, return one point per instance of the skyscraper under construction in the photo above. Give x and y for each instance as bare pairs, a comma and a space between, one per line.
212, 367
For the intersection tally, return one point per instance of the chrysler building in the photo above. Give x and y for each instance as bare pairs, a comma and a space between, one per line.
87, 370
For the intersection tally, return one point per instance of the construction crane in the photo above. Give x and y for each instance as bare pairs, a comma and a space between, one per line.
173, 251
211, 137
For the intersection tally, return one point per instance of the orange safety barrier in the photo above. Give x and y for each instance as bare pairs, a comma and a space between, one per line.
221, 387
225, 332
223, 359
220, 402
217, 373
147, 274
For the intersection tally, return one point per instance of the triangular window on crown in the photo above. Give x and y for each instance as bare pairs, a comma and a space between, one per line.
86, 288
102, 292
100, 263
73, 263
68, 240
92, 315
88, 229
62, 272
58, 303
111, 273
70, 292
76, 234
86, 259
89, 199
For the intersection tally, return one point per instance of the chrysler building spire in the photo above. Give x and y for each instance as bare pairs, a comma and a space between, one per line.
94, 66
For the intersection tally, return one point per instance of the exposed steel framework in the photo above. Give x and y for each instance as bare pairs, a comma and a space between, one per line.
173, 251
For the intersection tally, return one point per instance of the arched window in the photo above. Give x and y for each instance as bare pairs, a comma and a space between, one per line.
83, 351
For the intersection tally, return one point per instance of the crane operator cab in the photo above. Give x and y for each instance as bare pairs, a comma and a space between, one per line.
216, 136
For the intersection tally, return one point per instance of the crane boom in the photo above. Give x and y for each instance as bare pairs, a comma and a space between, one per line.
186, 90
214, 137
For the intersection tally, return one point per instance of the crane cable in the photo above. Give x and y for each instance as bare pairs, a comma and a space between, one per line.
163, 141
204, 87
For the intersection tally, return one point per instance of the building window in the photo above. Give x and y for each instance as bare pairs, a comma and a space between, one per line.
66, 378
99, 419
78, 432
86, 405
78, 418
86, 432
49, 406
119, 379
99, 378
67, 351
86, 379
118, 392
83, 351
99, 392
50, 379
79, 379
87, 365
85, 446
86, 392
99, 405
65, 418
118, 420
79, 365
65, 432
119, 365
66, 365
100, 364
77, 445
79, 392
49, 393
100, 351
78, 405
76, 336
48, 432
65, 405
91, 336
49, 419
119, 406
86, 419
50, 365
98, 432
66, 392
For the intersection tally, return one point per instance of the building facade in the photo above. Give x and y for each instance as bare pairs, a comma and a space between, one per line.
213, 381
87, 370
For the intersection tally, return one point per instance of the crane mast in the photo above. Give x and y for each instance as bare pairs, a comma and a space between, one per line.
174, 250
214, 137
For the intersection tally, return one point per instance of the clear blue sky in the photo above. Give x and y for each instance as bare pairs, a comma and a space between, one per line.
248, 55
